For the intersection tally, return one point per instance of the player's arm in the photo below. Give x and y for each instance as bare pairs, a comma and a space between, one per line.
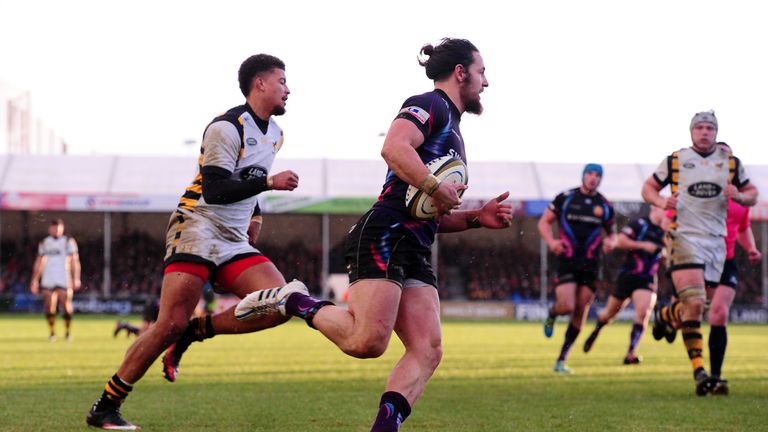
623, 241
740, 189
651, 193
494, 215
746, 195
37, 270
746, 239
75, 265
399, 152
547, 219
222, 146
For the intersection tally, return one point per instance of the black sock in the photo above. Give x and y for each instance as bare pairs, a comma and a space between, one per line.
393, 410
551, 313
570, 336
115, 392
600, 324
718, 341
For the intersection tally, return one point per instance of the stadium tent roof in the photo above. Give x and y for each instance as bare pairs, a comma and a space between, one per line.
136, 183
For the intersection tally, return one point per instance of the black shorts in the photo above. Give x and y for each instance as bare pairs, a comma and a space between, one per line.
378, 247
582, 273
730, 276
627, 284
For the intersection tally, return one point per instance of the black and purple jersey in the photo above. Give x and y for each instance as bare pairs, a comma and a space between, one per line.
438, 119
639, 262
582, 218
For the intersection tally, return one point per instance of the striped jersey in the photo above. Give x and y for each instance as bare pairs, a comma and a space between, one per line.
700, 179
234, 142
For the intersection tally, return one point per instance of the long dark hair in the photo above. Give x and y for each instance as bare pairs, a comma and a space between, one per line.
439, 61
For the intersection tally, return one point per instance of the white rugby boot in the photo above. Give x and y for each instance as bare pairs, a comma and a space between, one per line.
268, 301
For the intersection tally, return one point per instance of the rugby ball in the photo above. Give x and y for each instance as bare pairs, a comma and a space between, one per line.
447, 169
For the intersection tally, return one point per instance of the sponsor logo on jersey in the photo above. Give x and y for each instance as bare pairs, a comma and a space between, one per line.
704, 190
689, 165
251, 141
598, 211
420, 114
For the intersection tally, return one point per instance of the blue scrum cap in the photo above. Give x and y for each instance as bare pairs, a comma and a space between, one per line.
593, 167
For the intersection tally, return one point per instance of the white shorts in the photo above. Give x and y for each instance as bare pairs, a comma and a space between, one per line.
191, 237
687, 250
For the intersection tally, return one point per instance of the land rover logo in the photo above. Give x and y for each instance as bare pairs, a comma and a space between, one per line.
704, 190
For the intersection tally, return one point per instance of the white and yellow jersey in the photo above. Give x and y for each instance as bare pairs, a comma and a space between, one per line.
56, 268
233, 142
700, 179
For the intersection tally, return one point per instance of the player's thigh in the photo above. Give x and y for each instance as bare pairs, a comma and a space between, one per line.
179, 296
418, 321
613, 306
374, 304
65, 298
643, 301
255, 278
584, 296
49, 300
689, 277
565, 294
722, 297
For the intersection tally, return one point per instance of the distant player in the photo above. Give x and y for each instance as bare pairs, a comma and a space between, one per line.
58, 262
643, 238
739, 230
702, 179
582, 214
149, 316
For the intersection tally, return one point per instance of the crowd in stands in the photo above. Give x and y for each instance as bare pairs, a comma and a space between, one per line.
465, 271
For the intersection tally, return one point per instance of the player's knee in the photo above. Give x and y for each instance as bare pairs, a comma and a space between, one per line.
433, 356
371, 345
718, 315
172, 327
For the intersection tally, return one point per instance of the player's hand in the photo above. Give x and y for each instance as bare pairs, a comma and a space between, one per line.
77, 283
495, 214
34, 287
730, 191
650, 247
557, 247
754, 256
286, 180
670, 202
446, 197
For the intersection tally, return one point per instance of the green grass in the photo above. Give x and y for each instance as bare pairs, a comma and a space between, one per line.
495, 376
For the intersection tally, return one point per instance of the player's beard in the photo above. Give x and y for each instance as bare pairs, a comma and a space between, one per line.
278, 111
470, 100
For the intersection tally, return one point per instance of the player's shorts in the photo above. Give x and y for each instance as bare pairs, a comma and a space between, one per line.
583, 273
626, 284
730, 275
689, 250
193, 238
53, 287
379, 247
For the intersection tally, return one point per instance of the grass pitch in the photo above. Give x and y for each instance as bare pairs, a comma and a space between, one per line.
495, 376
